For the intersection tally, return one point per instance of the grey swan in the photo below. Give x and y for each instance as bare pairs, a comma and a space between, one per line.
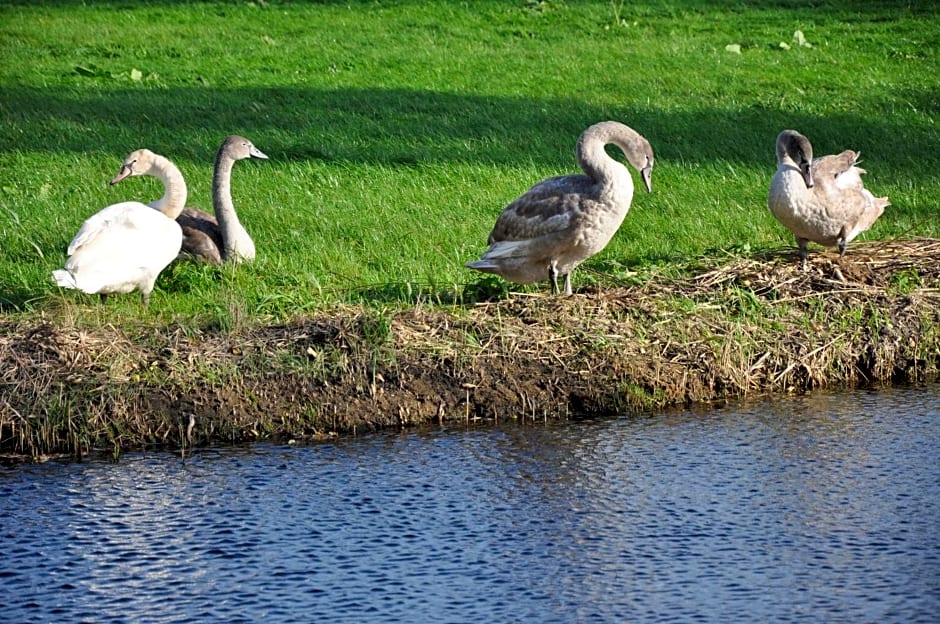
821, 200
125, 246
564, 220
220, 238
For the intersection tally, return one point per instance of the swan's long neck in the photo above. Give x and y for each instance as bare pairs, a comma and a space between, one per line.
174, 196
597, 163
229, 225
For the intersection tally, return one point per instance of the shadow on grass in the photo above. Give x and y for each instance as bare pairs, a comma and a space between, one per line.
18, 301
401, 126
487, 288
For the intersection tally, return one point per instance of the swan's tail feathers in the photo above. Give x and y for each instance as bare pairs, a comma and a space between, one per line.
503, 250
64, 279
502, 254
483, 265
876, 206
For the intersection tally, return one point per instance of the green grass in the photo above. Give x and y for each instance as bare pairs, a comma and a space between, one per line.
398, 130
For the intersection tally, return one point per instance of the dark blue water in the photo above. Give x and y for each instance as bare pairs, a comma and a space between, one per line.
814, 509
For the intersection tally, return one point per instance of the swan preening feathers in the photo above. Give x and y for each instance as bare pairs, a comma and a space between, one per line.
125, 246
821, 200
564, 220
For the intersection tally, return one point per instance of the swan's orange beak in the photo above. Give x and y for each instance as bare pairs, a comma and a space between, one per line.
123, 173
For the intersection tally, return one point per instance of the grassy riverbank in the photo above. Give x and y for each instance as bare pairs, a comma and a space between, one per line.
397, 131
737, 327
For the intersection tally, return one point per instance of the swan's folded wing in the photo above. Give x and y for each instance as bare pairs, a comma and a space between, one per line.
131, 250
196, 218
117, 259
202, 238
114, 217
200, 245
551, 207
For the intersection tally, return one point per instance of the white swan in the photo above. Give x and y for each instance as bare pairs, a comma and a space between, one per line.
220, 238
821, 200
125, 246
564, 220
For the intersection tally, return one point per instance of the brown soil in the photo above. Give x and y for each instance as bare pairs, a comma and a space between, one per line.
751, 326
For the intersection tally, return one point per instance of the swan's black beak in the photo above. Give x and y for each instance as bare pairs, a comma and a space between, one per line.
646, 173
807, 171
123, 173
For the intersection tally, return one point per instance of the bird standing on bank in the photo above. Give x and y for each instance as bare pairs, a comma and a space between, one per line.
821, 200
562, 221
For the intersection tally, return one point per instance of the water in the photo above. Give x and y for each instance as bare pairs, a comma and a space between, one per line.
810, 509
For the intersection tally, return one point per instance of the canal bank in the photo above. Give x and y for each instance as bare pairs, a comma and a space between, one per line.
740, 327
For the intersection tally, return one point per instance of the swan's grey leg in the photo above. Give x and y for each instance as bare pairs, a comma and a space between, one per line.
103, 297
553, 275
568, 283
802, 243
843, 233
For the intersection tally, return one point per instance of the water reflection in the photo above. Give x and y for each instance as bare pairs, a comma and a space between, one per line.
805, 509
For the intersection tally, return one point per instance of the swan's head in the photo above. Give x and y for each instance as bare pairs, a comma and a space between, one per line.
642, 159
793, 145
137, 163
238, 148
638, 151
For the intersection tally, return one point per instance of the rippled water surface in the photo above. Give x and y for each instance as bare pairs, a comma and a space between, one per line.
810, 509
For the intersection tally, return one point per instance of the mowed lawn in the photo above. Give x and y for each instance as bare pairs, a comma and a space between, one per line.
398, 130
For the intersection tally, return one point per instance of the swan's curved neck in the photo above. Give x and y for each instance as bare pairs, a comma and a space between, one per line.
594, 159
786, 156
174, 196
229, 225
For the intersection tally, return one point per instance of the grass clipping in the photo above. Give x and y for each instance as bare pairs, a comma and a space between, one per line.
739, 327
